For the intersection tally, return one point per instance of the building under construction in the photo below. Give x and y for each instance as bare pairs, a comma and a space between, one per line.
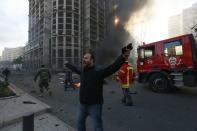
63, 29
37, 50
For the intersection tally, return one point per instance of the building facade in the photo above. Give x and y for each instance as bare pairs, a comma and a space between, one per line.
37, 50
66, 32
175, 26
9, 54
184, 23
63, 29
93, 23
187, 17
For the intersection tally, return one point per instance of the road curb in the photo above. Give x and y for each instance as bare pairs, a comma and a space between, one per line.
18, 118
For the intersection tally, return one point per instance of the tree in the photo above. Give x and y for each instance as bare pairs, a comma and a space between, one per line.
18, 60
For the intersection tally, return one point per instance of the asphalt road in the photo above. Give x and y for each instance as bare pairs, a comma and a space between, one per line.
151, 111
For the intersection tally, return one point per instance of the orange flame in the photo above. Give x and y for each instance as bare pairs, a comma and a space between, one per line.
77, 85
116, 20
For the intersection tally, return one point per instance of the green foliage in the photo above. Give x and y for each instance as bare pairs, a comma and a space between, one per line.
4, 90
18, 60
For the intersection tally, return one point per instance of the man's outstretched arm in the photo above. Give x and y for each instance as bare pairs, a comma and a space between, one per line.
118, 62
72, 67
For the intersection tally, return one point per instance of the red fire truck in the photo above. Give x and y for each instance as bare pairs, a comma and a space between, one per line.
168, 64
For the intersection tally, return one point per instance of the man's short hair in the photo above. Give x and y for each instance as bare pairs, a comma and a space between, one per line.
42, 65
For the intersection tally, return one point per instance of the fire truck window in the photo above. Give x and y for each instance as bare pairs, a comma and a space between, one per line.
173, 48
142, 53
149, 51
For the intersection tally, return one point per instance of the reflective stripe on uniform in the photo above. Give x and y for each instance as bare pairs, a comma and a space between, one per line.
122, 71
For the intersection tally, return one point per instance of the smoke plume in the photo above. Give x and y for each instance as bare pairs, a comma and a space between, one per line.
117, 36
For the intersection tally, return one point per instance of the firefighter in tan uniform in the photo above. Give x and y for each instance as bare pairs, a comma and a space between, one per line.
126, 79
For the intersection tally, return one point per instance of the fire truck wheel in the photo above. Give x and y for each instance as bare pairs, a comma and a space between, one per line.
159, 83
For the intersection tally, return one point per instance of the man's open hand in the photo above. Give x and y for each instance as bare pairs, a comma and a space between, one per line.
126, 50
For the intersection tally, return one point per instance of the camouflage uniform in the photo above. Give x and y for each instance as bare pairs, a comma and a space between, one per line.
45, 78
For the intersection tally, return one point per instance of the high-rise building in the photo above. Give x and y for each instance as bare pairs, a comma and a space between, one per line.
174, 26
9, 54
187, 18
37, 50
184, 23
93, 23
62, 29
66, 32
194, 20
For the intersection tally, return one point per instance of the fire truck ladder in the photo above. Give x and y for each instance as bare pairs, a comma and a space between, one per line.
177, 79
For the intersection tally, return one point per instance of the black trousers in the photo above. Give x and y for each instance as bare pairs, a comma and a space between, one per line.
127, 99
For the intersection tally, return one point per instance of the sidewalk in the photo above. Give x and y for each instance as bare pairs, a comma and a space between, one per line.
13, 109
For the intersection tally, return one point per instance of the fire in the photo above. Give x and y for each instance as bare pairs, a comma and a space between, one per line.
116, 20
77, 85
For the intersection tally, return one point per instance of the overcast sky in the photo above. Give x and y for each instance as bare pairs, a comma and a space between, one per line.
14, 20
13, 23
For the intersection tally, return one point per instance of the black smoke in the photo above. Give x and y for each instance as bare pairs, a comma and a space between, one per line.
117, 36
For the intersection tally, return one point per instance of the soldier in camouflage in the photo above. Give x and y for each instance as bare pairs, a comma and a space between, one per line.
45, 78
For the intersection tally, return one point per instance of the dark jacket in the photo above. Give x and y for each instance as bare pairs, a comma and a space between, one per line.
91, 90
6, 72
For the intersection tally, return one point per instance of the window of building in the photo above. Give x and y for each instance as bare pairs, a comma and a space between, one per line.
68, 8
76, 39
61, 14
76, 22
68, 20
76, 10
60, 52
68, 26
68, 14
76, 4
54, 3
76, 15
68, 52
60, 62
76, 27
54, 27
60, 20
76, 53
54, 14
60, 31
54, 53
76, 45
60, 26
60, 8
68, 32
68, 2
173, 48
68, 39
76, 33
53, 42
60, 40
61, 2
54, 21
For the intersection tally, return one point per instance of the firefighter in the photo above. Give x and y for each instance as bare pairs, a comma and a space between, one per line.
125, 75
45, 78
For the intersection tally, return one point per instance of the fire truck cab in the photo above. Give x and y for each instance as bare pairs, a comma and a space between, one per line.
169, 63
